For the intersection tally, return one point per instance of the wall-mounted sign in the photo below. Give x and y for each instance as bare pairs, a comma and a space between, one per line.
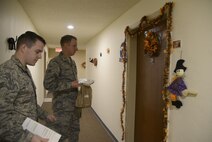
58, 49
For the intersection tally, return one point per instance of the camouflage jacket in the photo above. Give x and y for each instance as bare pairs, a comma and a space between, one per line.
17, 101
61, 71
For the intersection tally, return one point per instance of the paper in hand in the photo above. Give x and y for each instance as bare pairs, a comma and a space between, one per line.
86, 82
40, 130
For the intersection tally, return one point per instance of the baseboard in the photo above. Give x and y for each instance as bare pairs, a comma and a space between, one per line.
105, 127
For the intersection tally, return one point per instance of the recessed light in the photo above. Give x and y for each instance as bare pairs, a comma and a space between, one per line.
70, 27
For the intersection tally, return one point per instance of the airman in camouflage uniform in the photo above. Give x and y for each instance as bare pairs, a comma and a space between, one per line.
17, 91
61, 80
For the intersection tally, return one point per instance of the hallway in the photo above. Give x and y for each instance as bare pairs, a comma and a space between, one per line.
91, 130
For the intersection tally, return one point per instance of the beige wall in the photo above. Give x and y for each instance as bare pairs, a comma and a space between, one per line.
192, 22
79, 58
14, 22
52, 53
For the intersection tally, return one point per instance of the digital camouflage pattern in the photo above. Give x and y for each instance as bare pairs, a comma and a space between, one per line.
17, 101
61, 71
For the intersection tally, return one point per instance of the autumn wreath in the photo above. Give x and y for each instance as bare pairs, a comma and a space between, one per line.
151, 44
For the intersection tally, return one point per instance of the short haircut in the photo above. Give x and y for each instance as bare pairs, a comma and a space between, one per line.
29, 38
66, 38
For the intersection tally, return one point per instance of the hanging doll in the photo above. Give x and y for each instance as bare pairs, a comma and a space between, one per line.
178, 88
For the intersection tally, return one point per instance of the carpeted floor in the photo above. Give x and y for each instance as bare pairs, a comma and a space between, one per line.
91, 130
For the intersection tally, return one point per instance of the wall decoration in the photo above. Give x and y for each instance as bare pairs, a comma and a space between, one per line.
177, 44
11, 43
94, 61
178, 88
123, 52
83, 65
108, 50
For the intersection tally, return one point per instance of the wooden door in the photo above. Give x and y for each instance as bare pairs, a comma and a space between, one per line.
149, 85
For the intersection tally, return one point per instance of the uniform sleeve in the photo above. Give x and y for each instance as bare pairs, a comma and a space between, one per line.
26, 138
9, 128
52, 81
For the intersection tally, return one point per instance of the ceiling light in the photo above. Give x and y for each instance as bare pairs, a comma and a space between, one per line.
70, 27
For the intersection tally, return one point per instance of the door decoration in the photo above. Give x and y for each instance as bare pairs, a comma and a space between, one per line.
178, 88
152, 49
123, 52
151, 44
123, 59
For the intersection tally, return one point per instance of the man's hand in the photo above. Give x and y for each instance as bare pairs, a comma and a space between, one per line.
51, 118
75, 84
36, 138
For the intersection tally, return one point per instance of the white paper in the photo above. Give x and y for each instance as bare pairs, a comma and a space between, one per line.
86, 82
40, 130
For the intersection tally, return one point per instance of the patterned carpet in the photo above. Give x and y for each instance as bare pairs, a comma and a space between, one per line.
91, 130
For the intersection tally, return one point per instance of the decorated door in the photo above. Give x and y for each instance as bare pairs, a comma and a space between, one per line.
149, 85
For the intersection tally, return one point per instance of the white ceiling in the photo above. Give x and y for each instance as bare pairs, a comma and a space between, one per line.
89, 17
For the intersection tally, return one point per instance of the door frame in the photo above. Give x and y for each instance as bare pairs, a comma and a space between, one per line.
131, 40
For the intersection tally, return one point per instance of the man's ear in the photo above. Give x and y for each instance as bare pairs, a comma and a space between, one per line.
22, 48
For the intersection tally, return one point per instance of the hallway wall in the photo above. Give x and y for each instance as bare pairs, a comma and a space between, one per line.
14, 22
79, 58
192, 22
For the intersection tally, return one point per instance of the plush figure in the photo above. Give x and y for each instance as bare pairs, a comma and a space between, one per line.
178, 88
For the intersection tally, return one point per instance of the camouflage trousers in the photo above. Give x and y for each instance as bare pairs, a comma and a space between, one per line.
67, 124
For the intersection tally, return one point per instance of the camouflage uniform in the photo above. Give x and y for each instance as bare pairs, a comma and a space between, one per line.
17, 101
60, 73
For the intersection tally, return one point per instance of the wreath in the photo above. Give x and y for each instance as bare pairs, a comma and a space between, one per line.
151, 44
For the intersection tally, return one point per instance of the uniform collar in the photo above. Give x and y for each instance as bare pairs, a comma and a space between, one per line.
23, 68
64, 58
18, 63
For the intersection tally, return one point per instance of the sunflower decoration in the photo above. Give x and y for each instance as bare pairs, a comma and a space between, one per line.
151, 44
